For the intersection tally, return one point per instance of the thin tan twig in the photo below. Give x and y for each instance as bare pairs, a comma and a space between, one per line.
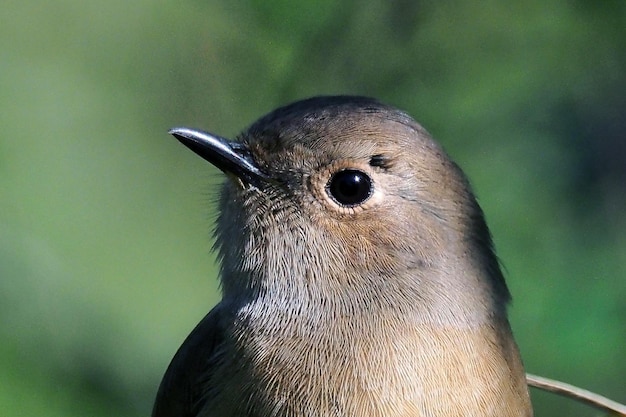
576, 393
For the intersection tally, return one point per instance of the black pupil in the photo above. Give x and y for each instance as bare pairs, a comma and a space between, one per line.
350, 187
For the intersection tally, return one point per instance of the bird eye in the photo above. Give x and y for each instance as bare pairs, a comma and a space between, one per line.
349, 187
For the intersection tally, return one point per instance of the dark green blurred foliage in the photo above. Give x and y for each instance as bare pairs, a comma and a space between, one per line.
105, 221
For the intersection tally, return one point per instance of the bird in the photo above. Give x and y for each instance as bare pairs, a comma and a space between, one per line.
357, 272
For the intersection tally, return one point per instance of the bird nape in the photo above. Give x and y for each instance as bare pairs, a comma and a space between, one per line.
358, 277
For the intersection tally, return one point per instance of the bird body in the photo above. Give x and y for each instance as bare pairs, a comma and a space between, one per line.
358, 277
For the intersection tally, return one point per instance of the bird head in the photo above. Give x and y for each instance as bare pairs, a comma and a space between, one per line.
349, 203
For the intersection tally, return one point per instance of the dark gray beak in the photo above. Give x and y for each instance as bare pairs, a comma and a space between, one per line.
230, 157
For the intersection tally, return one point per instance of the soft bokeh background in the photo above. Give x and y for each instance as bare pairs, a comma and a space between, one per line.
105, 244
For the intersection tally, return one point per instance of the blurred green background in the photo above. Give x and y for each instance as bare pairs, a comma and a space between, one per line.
105, 220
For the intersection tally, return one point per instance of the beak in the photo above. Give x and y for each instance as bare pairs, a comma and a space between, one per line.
230, 157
